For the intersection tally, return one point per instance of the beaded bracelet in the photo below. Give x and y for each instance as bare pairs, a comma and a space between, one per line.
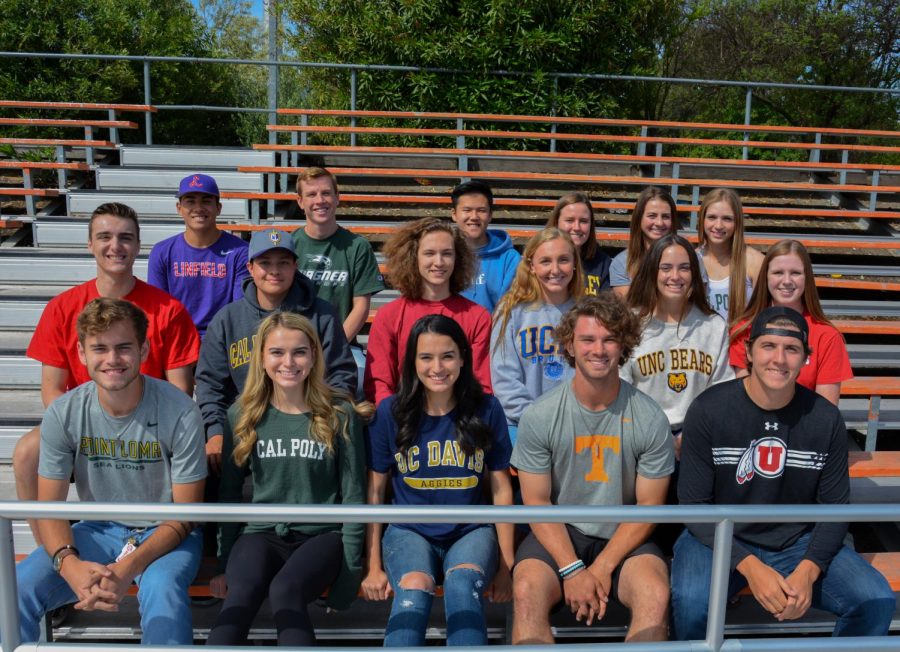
571, 569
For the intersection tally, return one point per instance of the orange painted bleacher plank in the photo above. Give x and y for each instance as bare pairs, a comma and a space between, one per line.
879, 464
65, 142
871, 386
44, 165
39, 122
88, 106
613, 122
535, 135
577, 178
855, 284
867, 327
11, 224
622, 158
33, 192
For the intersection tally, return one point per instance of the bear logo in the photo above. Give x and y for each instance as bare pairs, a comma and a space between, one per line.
677, 382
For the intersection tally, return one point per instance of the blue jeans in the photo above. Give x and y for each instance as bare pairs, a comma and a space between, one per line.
405, 551
162, 588
850, 589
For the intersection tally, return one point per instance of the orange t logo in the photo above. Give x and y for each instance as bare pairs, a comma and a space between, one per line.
597, 444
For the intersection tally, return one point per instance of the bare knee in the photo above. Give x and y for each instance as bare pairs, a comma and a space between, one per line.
535, 587
417, 581
644, 589
27, 453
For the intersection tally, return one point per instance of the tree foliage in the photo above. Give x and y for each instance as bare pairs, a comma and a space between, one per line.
119, 27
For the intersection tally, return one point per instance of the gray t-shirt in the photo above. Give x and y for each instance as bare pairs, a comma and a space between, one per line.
593, 458
133, 459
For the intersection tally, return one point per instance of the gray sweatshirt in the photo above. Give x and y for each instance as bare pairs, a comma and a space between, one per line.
527, 363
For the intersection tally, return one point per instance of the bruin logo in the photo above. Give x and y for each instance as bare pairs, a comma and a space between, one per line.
771, 426
765, 456
678, 382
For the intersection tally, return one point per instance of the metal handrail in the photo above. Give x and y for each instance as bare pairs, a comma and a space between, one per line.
354, 68
724, 516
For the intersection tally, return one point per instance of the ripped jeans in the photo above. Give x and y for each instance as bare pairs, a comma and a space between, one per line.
405, 551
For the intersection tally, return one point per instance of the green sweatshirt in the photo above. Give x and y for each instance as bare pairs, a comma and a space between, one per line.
288, 466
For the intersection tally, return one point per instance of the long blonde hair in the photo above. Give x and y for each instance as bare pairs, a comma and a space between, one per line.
321, 399
525, 287
738, 262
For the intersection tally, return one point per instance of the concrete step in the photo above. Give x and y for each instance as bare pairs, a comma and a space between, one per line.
166, 181
209, 158
83, 202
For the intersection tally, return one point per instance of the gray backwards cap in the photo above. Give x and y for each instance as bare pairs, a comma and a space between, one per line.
767, 316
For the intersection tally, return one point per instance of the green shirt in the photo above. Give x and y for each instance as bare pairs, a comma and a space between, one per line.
288, 466
342, 267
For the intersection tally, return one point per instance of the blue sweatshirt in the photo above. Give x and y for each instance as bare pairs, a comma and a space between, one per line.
497, 262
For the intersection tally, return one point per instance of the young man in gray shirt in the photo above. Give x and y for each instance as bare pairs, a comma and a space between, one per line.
592, 441
129, 438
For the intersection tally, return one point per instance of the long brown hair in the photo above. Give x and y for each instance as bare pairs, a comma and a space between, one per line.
401, 251
525, 287
737, 266
643, 294
636, 241
590, 247
321, 399
761, 299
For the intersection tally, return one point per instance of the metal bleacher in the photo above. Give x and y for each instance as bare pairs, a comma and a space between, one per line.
48, 253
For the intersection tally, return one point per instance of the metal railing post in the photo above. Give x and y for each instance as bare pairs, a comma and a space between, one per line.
873, 196
28, 182
9, 604
272, 82
657, 167
642, 146
845, 158
748, 106
113, 131
148, 116
553, 113
718, 585
872, 423
353, 105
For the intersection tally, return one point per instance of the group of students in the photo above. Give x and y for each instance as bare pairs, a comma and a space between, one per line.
487, 361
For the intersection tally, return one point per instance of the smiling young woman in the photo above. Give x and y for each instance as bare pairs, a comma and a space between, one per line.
525, 361
684, 343
574, 216
429, 263
786, 279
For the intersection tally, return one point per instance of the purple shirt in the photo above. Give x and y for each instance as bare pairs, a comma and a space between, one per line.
204, 280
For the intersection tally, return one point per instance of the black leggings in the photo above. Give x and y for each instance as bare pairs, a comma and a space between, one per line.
293, 571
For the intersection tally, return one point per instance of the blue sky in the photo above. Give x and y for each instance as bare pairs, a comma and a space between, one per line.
257, 7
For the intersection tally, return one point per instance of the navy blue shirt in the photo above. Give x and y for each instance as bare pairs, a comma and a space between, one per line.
435, 470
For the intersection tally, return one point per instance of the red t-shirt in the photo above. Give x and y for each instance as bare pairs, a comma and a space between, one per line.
390, 330
828, 363
171, 333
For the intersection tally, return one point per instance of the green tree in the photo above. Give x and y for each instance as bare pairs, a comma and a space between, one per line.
121, 27
478, 36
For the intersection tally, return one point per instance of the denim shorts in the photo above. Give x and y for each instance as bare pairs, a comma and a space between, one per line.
405, 551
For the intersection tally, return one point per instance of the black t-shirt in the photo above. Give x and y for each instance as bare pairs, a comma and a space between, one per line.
736, 453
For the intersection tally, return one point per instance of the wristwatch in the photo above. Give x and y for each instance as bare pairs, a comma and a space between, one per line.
65, 551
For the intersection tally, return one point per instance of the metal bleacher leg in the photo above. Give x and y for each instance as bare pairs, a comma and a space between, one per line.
113, 131
89, 135
61, 176
873, 196
695, 200
845, 157
872, 423
29, 199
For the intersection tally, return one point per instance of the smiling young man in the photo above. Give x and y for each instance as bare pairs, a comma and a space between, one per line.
765, 440
114, 240
340, 264
202, 267
130, 438
592, 441
473, 205
274, 285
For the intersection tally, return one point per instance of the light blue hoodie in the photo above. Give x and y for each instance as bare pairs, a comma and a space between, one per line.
497, 261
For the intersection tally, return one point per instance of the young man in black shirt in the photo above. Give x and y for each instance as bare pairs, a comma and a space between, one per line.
764, 439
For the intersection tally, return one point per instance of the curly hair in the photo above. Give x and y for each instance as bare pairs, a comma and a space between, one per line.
323, 401
590, 247
610, 311
643, 294
401, 251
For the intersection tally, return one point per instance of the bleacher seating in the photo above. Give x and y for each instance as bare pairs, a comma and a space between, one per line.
846, 212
